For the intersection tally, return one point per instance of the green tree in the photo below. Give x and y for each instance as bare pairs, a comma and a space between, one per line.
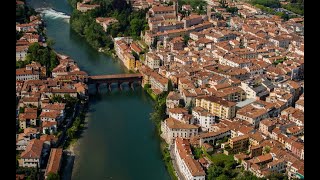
53, 176
136, 56
186, 38
214, 172
170, 86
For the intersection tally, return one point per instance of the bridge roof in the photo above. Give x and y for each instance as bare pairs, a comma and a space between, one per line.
115, 76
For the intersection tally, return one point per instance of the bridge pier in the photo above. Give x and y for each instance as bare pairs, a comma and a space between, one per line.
131, 85
109, 86
97, 87
119, 86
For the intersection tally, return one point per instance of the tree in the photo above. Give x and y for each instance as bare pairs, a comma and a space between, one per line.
170, 87
50, 42
136, 56
154, 43
53, 176
214, 172
266, 149
185, 39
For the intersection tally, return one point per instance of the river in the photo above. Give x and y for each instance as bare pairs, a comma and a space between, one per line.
121, 142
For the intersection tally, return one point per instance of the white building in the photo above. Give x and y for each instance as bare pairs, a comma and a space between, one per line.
172, 128
21, 53
188, 166
23, 74
202, 117
31, 157
152, 60
177, 113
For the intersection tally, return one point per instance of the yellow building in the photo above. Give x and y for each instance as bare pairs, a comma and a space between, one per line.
129, 61
239, 143
217, 106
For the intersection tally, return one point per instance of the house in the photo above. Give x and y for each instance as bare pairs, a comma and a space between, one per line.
254, 90
52, 116
26, 27
29, 101
158, 83
173, 100
29, 117
85, 7
176, 43
54, 162
300, 104
21, 52
31, 38
217, 106
49, 127
60, 107
188, 166
266, 126
105, 22
23, 74
203, 118
24, 138
152, 60
158, 11
172, 128
234, 94
177, 113
32, 156
238, 144
253, 113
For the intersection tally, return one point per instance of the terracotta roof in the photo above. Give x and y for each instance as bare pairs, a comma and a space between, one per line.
178, 111
176, 124
218, 100
55, 106
52, 114
238, 138
28, 131
47, 137
33, 150
184, 151
49, 124
162, 8
24, 116
54, 161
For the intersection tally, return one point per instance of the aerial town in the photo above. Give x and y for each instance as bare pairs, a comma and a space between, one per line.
234, 83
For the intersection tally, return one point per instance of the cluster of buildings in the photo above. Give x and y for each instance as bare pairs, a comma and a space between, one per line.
38, 117
236, 76
30, 35
125, 48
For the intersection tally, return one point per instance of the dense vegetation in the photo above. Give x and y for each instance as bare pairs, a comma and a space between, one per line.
23, 13
267, 3
130, 23
30, 173
53, 176
296, 6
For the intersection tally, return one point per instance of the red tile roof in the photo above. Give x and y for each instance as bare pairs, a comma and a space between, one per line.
54, 161
33, 150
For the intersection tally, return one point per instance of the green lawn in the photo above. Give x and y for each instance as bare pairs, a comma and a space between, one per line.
221, 157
